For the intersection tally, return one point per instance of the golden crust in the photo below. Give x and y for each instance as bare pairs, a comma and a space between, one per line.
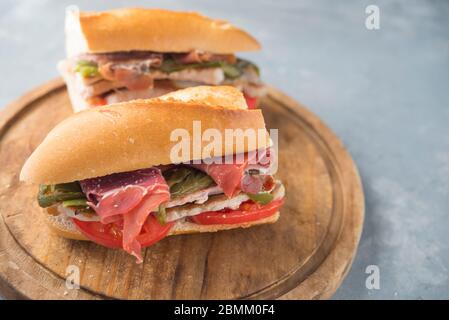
152, 30
135, 135
184, 227
61, 225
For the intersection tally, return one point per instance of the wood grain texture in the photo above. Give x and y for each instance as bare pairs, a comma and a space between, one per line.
305, 255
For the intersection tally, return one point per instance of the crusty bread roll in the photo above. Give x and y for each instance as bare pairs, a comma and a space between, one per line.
64, 227
136, 134
152, 30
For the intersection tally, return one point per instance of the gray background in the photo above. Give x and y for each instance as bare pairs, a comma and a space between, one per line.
384, 92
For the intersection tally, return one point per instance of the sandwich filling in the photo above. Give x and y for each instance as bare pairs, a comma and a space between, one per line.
106, 78
133, 210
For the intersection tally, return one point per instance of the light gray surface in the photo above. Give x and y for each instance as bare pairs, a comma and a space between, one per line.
384, 92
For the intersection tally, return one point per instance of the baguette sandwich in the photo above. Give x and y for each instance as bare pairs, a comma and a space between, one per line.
134, 53
121, 187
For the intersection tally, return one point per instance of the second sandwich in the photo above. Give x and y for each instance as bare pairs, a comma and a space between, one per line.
134, 53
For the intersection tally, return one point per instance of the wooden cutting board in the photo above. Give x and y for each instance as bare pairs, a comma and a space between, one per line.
305, 255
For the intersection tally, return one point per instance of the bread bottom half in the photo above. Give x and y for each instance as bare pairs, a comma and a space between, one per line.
64, 227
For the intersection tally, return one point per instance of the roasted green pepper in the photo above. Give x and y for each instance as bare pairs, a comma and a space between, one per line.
87, 68
75, 203
161, 215
185, 180
262, 197
51, 194
231, 71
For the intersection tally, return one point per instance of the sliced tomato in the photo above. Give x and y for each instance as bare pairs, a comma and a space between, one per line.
251, 101
101, 102
247, 212
110, 235
97, 101
153, 231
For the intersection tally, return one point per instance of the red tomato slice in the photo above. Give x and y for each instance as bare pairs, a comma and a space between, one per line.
101, 102
251, 102
247, 212
110, 235
153, 231
97, 101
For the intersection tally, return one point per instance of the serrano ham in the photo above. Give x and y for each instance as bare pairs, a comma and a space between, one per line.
230, 177
124, 56
135, 219
196, 56
127, 197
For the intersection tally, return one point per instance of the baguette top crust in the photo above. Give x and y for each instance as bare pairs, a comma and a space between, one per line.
155, 30
141, 134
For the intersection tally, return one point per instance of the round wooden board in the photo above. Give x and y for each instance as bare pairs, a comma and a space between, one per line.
305, 255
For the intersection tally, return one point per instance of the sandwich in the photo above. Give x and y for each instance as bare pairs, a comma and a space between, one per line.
126, 184
134, 53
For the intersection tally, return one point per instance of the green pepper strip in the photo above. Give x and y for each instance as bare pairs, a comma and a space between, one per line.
161, 215
87, 68
75, 203
262, 197
51, 194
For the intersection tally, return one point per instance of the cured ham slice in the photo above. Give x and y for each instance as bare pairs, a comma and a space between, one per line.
127, 197
256, 183
196, 56
230, 177
135, 219
122, 57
